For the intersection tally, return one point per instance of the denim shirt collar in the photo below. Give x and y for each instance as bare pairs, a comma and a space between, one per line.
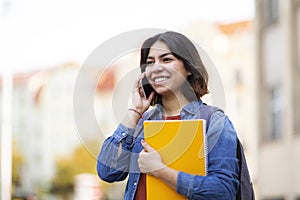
193, 107
187, 112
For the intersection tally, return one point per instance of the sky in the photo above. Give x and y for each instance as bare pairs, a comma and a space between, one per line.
36, 34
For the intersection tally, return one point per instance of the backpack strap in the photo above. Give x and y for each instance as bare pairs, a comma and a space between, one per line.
245, 190
205, 112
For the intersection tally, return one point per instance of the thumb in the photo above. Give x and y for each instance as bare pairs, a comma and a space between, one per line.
146, 146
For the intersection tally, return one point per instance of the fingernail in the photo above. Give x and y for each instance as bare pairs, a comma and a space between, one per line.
142, 141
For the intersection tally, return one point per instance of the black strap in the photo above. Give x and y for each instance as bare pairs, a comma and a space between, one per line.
238, 155
245, 190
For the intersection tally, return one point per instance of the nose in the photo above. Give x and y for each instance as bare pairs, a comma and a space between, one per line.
155, 68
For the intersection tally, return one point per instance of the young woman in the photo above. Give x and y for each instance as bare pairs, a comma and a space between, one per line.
174, 69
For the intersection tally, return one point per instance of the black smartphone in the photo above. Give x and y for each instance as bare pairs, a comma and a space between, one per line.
146, 87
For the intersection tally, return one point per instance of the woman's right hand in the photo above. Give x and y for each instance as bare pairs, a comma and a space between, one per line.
139, 102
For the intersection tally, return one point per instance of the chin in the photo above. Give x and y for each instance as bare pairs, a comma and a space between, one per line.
163, 91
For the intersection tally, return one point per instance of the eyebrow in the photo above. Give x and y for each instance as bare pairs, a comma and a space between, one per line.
161, 56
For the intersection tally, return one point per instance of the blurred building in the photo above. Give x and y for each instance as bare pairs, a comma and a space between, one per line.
278, 92
43, 121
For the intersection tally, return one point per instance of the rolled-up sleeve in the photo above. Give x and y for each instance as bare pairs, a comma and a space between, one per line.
114, 158
221, 181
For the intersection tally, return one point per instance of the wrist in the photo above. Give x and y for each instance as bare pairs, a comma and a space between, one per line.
160, 171
168, 175
136, 111
137, 108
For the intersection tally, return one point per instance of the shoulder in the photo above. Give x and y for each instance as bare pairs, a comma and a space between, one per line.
220, 124
220, 130
217, 120
218, 115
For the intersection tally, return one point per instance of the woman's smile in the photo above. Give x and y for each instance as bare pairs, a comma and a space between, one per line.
160, 79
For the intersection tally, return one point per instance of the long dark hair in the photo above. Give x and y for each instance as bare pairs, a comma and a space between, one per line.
183, 49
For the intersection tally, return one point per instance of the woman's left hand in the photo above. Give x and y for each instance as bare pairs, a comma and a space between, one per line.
149, 160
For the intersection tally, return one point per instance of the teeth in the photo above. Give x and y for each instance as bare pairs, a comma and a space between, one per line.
156, 80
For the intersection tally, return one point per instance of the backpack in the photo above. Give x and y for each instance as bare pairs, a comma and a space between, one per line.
245, 190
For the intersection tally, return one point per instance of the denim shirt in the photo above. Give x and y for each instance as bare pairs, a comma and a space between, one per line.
116, 161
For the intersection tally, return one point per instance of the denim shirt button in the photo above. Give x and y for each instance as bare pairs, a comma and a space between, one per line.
134, 184
123, 134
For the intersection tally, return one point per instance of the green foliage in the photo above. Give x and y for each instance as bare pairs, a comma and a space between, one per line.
17, 162
82, 161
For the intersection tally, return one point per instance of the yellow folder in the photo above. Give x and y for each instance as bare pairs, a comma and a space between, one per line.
182, 146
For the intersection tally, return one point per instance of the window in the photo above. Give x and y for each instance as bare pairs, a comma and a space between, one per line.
276, 114
272, 113
270, 12
238, 78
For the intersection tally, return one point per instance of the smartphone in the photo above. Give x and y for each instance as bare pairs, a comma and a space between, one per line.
146, 87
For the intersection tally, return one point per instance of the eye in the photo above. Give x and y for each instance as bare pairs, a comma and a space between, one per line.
149, 62
167, 60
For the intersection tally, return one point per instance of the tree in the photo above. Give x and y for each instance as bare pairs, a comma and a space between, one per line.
82, 161
18, 161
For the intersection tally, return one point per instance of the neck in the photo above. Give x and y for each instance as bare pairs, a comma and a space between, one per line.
173, 105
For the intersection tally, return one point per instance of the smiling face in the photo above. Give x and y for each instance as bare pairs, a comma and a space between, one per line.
165, 72
184, 52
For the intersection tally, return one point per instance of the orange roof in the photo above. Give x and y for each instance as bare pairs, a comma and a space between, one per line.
107, 80
232, 28
22, 77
